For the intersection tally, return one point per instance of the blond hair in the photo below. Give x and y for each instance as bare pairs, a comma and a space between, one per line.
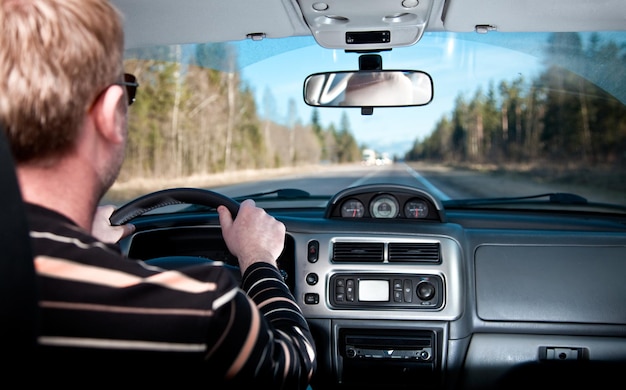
56, 57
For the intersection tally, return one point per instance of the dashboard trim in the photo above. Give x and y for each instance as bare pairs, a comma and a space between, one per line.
449, 271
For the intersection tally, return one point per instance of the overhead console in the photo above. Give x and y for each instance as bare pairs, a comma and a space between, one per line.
361, 25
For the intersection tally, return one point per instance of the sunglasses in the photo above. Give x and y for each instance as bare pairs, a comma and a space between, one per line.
130, 82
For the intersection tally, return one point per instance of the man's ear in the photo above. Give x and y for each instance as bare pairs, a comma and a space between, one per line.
106, 113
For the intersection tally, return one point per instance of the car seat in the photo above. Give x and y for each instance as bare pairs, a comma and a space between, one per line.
18, 288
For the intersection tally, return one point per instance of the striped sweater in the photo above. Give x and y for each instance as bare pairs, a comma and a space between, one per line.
105, 316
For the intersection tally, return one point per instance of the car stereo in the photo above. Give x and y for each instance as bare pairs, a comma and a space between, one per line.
386, 357
382, 290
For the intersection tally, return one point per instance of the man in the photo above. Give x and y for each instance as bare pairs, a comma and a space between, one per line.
64, 101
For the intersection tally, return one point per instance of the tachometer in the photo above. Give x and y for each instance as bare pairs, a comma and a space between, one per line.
415, 208
352, 208
384, 206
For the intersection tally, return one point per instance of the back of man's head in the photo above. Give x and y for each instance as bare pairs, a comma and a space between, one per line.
56, 57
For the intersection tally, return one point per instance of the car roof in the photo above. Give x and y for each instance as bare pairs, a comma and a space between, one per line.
158, 22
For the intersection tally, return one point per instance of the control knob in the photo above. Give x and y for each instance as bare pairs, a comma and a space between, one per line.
425, 291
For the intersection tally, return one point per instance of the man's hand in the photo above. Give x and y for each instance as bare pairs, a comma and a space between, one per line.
104, 231
253, 236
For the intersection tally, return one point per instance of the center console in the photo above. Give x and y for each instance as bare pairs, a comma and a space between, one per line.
381, 321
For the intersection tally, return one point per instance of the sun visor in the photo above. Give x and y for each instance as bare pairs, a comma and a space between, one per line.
208, 20
534, 15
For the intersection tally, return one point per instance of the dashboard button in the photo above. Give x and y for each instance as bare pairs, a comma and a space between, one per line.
350, 290
408, 290
313, 251
312, 279
311, 298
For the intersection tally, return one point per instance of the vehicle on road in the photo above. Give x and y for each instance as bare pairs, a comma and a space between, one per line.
369, 157
492, 254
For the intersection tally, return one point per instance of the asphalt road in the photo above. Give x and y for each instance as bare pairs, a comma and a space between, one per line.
443, 182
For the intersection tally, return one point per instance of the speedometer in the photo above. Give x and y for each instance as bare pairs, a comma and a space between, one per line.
384, 206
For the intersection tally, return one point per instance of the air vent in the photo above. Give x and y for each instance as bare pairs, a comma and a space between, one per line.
414, 252
358, 252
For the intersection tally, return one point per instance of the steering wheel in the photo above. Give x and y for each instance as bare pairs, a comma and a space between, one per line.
172, 196
169, 197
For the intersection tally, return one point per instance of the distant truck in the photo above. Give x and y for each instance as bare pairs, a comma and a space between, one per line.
384, 159
368, 157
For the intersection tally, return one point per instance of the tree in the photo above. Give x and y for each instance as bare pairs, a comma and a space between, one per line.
562, 112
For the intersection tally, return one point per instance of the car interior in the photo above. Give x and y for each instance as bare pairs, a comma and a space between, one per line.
415, 293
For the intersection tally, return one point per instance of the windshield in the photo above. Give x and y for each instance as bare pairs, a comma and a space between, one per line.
512, 115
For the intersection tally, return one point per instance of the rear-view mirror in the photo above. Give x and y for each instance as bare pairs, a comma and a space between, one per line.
368, 88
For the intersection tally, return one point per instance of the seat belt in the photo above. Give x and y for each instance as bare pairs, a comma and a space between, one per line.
19, 316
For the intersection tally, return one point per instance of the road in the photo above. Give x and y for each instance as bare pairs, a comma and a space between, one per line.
443, 182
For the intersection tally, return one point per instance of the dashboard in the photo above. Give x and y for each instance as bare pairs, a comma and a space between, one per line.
399, 291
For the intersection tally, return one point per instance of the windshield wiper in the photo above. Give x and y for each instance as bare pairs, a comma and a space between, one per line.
539, 201
283, 193
553, 198
280, 194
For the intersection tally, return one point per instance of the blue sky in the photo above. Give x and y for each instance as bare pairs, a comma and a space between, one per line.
456, 66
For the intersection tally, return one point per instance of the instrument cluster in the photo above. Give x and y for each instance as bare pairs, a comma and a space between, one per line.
384, 206
384, 202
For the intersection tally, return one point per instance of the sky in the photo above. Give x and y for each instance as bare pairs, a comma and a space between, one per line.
456, 66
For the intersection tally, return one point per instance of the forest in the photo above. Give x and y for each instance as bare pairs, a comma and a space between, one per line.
207, 121
560, 114
199, 120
